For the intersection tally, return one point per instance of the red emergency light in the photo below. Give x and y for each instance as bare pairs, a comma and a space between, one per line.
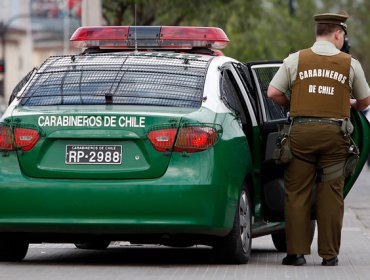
150, 37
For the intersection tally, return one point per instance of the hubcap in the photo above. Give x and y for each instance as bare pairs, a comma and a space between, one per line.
244, 220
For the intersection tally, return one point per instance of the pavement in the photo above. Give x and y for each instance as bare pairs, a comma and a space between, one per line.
354, 257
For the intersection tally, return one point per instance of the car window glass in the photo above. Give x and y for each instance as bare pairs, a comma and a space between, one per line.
231, 95
127, 79
246, 79
264, 76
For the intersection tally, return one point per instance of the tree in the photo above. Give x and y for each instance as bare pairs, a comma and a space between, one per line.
258, 30
233, 16
160, 12
358, 27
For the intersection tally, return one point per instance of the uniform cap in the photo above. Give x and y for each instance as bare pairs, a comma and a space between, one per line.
333, 18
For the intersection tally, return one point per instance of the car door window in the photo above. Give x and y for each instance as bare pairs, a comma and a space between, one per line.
263, 74
231, 95
244, 75
235, 96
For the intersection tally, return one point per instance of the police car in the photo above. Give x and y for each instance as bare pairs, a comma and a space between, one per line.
149, 135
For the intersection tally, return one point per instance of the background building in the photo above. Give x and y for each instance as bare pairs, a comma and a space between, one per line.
32, 30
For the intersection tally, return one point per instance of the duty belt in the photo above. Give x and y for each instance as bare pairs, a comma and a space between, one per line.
317, 120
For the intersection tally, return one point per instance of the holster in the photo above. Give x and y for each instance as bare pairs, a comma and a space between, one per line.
282, 153
345, 169
353, 151
347, 127
351, 162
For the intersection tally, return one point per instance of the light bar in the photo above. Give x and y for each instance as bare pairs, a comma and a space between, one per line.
98, 36
211, 37
149, 37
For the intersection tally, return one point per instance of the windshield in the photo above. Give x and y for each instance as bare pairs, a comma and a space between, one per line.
119, 78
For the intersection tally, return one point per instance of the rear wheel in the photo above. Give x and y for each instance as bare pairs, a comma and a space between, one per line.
94, 245
236, 246
12, 249
279, 238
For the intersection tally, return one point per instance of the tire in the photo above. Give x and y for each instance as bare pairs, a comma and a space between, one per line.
235, 248
93, 245
12, 249
279, 238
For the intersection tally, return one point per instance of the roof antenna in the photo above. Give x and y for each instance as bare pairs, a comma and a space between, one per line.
135, 37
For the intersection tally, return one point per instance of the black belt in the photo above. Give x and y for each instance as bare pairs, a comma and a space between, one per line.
316, 120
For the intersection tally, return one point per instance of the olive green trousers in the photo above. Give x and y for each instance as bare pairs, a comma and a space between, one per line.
314, 146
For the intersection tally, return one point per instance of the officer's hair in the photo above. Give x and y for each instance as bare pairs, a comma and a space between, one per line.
323, 29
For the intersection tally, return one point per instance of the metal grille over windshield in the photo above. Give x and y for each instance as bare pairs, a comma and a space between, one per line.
130, 79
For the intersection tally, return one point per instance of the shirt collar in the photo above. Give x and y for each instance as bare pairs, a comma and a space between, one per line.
324, 48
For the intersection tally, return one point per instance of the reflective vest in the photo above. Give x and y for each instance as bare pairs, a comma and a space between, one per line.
321, 88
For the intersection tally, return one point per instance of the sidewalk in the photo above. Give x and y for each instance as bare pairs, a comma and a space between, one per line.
354, 258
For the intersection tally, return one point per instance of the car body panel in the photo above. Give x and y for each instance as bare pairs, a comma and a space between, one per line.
195, 193
361, 137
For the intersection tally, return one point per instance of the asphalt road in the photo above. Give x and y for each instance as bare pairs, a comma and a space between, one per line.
124, 261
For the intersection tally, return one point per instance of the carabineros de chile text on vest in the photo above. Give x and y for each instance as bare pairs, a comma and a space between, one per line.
322, 73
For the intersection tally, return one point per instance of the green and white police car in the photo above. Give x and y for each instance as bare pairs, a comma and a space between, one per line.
151, 136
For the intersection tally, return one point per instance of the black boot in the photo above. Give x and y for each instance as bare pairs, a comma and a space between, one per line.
330, 262
294, 260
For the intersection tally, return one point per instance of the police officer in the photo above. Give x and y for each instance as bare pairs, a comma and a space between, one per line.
324, 84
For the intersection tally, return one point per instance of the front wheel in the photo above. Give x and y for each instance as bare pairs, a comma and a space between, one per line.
236, 246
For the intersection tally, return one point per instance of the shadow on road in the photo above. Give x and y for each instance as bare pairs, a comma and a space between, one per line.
128, 256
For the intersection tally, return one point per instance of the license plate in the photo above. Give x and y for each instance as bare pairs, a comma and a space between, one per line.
93, 154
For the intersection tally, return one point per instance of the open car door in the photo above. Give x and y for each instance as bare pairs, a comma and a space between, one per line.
271, 115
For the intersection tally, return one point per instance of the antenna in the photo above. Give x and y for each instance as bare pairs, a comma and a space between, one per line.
135, 37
